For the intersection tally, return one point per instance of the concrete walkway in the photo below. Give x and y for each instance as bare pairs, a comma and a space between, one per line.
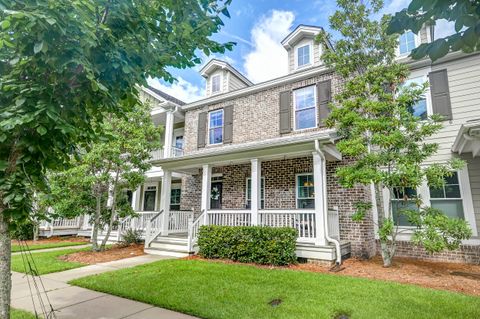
75, 302
54, 249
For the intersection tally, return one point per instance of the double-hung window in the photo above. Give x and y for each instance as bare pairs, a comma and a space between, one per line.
175, 195
215, 127
407, 43
249, 193
420, 108
305, 191
403, 198
216, 79
305, 108
303, 55
448, 198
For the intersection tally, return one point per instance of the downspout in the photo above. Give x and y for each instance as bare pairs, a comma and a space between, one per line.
325, 205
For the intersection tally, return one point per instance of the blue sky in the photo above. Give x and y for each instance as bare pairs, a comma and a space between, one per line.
258, 26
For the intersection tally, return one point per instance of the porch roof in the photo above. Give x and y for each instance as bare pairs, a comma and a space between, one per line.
275, 148
468, 138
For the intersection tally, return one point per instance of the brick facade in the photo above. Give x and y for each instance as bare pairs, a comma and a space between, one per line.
280, 183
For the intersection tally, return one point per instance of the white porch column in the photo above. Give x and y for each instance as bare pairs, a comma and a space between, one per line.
135, 195
256, 180
320, 201
206, 189
165, 199
167, 146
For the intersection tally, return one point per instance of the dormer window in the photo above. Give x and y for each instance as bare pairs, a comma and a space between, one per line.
407, 42
304, 54
216, 79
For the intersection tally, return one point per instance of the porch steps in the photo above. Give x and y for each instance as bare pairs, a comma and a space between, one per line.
169, 246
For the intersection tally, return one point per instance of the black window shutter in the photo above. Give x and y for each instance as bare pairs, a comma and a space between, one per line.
324, 96
202, 129
285, 112
228, 124
440, 94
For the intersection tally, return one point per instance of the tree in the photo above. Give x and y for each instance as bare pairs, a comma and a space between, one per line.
464, 13
389, 144
98, 181
66, 64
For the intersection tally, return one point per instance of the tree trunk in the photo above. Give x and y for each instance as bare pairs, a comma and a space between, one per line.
388, 251
96, 223
35, 230
5, 273
113, 215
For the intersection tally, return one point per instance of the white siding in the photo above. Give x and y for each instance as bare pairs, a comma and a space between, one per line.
234, 83
316, 54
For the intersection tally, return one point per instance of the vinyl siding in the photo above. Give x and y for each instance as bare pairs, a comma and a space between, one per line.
234, 83
316, 54
473, 165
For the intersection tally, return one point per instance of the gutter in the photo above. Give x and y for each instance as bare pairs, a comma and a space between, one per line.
325, 206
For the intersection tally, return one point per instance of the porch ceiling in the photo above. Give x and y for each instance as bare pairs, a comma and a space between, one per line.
468, 139
277, 148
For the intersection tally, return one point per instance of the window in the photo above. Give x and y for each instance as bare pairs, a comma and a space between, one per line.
216, 79
305, 191
175, 198
215, 127
303, 55
305, 108
149, 198
404, 198
179, 142
448, 198
420, 108
249, 193
407, 42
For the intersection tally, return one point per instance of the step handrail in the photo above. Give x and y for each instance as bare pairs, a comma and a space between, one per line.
154, 228
193, 229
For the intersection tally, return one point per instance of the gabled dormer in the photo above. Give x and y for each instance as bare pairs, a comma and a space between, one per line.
303, 51
408, 41
222, 77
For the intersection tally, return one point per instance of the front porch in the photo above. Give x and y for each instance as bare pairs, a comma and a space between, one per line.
284, 187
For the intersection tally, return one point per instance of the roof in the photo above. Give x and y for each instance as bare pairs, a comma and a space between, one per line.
205, 71
166, 96
300, 31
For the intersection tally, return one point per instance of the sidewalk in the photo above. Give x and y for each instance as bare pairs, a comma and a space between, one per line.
75, 302
54, 249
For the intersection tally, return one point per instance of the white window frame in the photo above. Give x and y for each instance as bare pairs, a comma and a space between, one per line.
145, 189
209, 128
301, 45
261, 198
173, 187
314, 107
424, 192
423, 74
296, 189
397, 49
219, 76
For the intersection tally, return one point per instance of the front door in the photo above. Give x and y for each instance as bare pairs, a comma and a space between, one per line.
149, 199
216, 195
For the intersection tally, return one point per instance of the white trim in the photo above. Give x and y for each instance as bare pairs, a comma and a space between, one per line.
209, 128
299, 45
296, 189
397, 49
220, 88
423, 73
299, 32
246, 191
315, 107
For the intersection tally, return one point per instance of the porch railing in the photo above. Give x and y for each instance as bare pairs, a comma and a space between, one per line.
154, 228
333, 224
178, 221
230, 217
194, 228
61, 223
302, 221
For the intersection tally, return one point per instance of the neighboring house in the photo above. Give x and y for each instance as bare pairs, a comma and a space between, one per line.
259, 154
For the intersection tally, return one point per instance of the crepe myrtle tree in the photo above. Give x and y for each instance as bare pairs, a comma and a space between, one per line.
98, 180
374, 117
465, 14
65, 64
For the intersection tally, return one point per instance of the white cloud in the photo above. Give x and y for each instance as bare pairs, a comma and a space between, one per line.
268, 59
180, 89
395, 6
444, 28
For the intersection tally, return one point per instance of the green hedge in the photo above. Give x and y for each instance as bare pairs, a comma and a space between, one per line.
249, 244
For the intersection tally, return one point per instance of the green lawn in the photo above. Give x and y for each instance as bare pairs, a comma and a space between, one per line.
216, 290
20, 314
48, 262
16, 248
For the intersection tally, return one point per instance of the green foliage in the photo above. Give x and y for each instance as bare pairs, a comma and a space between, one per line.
249, 244
67, 65
24, 231
132, 236
374, 117
464, 13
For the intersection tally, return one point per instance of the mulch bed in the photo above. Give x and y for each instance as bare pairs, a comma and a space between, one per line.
54, 240
116, 252
463, 278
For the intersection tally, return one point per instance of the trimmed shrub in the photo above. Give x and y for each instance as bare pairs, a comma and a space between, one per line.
249, 244
132, 236
23, 231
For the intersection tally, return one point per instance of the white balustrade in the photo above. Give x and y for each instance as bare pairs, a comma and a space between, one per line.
194, 228
302, 220
178, 221
333, 224
154, 228
230, 217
